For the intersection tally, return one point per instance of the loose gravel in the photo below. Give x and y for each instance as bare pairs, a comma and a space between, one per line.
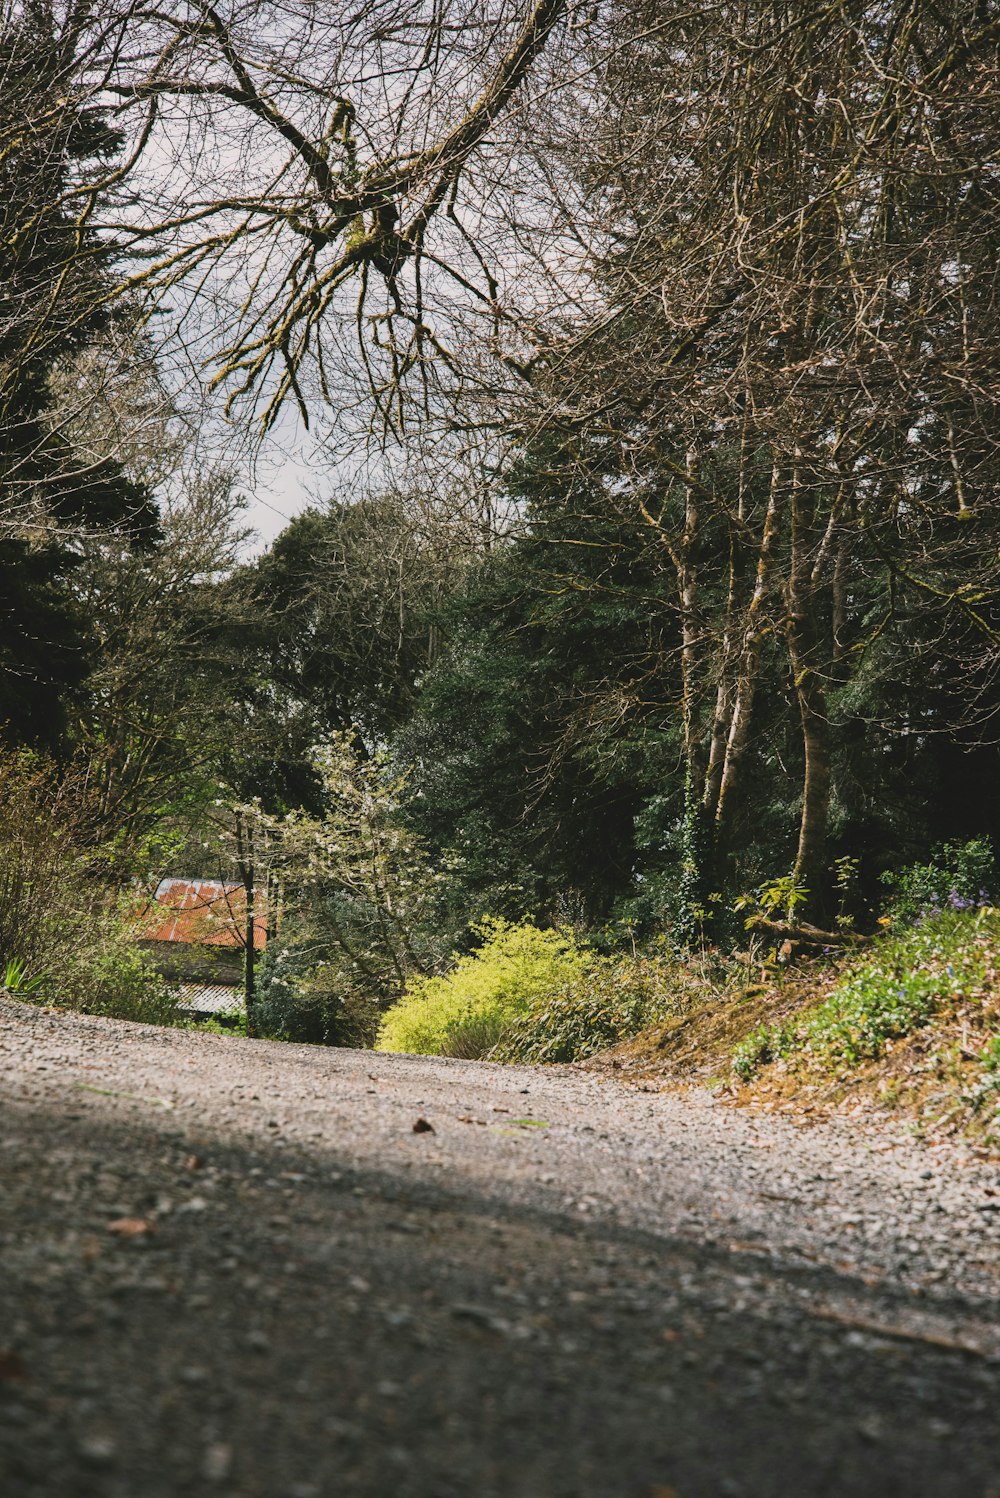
237, 1268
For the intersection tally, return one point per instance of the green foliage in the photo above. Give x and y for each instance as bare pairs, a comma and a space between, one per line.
985, 1094
365, 893
958, 876
343, 599
846, 872
53, 304
894, 990
235, 1028
15, 977
111, 976
537, 698
610, 1000
775, 899
694, 906
58, 920
466, 1011
313, 1003
765, 1043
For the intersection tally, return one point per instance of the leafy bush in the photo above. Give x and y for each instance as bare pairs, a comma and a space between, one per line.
364, 892
314, 1005
112, 977
959, 876
766, 1043
40, 871
64, 933
611, 1000
465, 1012
893, 991
984, 1097
234, 1028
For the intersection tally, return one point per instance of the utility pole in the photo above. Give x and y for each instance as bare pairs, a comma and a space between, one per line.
245, 863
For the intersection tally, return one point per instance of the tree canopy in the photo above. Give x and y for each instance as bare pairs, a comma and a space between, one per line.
703, 301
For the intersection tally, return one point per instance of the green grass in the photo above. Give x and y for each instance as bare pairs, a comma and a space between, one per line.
890, 993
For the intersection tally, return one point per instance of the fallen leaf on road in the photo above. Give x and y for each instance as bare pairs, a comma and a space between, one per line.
423, 1127
130, 1227
193, 1162
11, 1366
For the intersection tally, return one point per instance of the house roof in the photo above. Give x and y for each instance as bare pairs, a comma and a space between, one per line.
202, 912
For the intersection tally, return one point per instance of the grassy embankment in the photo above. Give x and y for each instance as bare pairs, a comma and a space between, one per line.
910, 1026
909, 1023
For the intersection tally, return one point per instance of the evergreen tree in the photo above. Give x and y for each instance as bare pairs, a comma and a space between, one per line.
53, 275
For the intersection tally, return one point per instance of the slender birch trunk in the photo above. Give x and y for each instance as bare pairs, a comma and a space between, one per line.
724, 693
755, 630
804, 654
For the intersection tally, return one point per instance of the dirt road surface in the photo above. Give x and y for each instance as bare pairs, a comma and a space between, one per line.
245, 1270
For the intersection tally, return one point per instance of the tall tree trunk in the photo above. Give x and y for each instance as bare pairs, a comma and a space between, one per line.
807, 662
693, 919
697, 841
687, 590
754, 631
250, 974
724, 693
722, 716
247, 873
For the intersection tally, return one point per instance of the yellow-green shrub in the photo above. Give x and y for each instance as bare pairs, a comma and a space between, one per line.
465, 1011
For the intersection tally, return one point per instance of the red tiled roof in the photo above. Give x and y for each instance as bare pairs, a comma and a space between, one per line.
205, 912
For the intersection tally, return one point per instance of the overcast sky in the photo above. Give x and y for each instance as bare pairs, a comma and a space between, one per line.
288, 476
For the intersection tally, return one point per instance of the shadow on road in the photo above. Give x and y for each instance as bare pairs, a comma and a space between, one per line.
286, 1327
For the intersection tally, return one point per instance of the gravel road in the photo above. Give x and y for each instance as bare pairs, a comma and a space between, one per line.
244, 1270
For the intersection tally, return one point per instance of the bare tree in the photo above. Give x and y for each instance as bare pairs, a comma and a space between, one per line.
290, 152
786, 328
277, 189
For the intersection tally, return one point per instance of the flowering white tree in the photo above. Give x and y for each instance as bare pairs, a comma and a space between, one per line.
365, 881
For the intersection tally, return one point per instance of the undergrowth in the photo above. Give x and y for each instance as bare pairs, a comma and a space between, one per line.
536, 996
904, 984
611, 1000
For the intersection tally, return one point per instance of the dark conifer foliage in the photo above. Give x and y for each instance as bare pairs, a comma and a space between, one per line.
54, 276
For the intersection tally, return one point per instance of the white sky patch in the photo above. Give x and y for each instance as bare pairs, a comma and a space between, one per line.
288, 476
